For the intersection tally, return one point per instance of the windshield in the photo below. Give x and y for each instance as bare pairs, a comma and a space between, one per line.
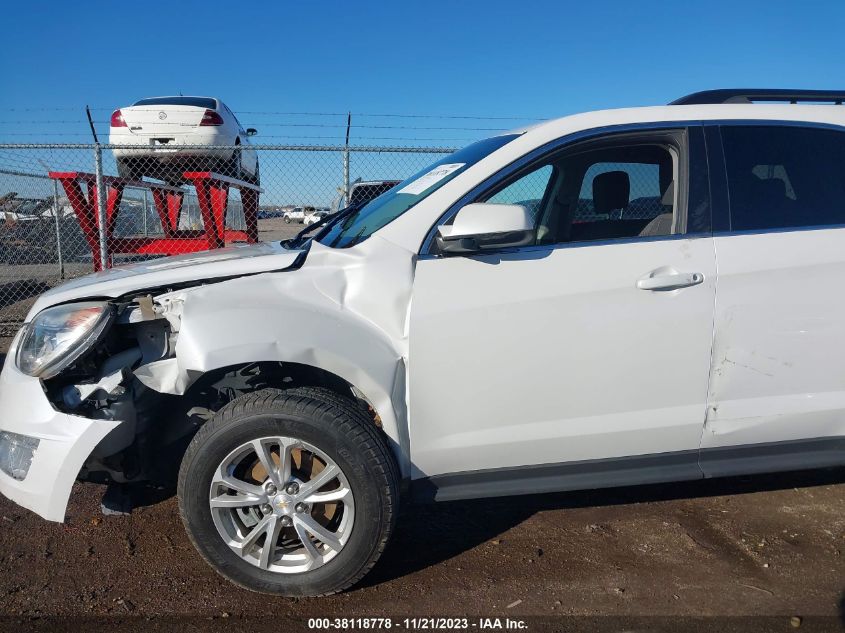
359, 225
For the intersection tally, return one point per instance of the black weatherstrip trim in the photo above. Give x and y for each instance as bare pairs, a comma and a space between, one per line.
819, 452
699, 207
748, 459
580, 475
719, 200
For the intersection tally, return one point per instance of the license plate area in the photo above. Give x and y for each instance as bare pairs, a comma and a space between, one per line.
162, 144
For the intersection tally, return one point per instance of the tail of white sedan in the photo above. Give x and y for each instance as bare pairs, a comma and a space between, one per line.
162, 137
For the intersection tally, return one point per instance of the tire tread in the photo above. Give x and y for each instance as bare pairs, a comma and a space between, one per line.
348, 419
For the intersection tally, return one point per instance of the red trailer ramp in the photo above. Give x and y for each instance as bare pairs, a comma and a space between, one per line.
212, 196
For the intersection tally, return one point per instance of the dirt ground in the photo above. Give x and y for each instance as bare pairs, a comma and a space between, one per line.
272, 229
769, 546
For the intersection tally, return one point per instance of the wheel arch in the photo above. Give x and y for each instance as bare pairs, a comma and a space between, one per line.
341, 377
332, 315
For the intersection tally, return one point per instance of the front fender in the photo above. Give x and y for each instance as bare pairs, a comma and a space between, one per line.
344, 311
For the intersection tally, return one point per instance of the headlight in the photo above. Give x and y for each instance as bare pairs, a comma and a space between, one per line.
58, 336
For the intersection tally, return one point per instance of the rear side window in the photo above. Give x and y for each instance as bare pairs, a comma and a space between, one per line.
196, 102
784, 177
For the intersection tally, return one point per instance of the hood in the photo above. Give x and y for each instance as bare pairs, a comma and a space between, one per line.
239, 259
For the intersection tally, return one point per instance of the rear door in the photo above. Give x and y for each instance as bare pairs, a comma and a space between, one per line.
777, 385
575, 361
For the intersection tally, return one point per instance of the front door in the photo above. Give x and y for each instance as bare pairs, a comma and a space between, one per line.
592, 345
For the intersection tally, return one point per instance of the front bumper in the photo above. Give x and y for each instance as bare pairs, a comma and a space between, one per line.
64, 442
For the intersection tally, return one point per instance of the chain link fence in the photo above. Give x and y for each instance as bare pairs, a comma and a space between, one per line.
67, 210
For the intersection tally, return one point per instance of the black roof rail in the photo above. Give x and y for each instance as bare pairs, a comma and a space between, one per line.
751, 95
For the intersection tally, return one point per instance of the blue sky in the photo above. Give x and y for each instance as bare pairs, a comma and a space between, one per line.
293, 69
497, 59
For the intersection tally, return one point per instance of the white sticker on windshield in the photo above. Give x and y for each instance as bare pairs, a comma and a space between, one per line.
434, 176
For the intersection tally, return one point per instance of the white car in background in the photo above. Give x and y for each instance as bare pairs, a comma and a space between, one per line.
297, 214
313, 216
169, 135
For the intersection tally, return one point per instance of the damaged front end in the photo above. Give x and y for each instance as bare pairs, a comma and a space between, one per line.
101, 385
155, 362
72, 406
81, 409
129, 378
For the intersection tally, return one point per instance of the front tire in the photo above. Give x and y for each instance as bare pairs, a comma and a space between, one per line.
303, 470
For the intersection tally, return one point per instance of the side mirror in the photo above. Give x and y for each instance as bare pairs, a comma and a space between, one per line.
481, 226
251, 131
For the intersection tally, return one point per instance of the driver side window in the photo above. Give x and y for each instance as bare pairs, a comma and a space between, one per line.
599, 192
530, 191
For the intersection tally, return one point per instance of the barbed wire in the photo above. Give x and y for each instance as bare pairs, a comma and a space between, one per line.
404, 139
316, 114
297, 125
406, 133
333, 148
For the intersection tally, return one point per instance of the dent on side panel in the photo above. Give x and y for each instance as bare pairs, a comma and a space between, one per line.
344, 311
778, 367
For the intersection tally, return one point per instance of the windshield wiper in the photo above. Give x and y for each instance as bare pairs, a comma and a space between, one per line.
326, 222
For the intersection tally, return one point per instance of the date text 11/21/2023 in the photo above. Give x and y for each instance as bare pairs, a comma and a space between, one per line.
418, 624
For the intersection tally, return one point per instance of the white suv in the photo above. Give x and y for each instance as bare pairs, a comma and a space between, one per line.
613, 298
297, 214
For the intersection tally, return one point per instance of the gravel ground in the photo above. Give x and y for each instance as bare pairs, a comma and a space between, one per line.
277, 229
763, 546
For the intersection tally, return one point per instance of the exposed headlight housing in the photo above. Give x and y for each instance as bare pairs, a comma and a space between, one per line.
58, 336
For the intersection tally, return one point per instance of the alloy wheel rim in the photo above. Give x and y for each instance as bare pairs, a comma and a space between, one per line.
282, 504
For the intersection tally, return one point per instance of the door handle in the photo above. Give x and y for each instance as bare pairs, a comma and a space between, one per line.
660, 280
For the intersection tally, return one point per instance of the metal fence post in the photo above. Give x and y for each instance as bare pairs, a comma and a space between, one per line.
101, 206
346, 199
58, 228
145, 214
346, 176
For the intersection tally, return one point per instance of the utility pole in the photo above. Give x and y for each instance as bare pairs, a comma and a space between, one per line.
101, 194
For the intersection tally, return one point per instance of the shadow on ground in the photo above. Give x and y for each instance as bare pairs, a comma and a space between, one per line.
743, 547
427, 535
430, 534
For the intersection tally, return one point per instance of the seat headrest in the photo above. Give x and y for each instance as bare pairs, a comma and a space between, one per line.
611, 191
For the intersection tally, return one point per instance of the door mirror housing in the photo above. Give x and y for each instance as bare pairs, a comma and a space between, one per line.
251, 131
481, 226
